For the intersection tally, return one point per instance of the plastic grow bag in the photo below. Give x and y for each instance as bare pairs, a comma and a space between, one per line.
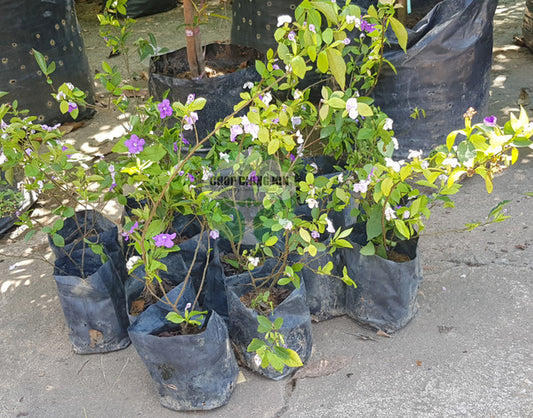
50, 27
96, 228
243, 323
191, 372
222, 93
137, 8
94, 306
386, 293
446, 70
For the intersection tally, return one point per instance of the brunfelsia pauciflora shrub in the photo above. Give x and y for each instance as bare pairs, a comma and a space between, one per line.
251, 187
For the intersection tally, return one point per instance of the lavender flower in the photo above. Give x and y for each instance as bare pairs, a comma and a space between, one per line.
135, 144
72, 107
214, 234
165, 109
164, 240
235, 131
291, 36
126, 234
315, 234
490, 121
252, 177
367, 27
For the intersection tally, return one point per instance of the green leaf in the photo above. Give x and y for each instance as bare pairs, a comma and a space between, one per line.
31, 171
364, 109
337, 66
40, 60
255, 345
402, 228
288, 357
327, 10
368, 249
373, 225
386, 186
400, 32
298, 66
264, 324
271, 241
58, 240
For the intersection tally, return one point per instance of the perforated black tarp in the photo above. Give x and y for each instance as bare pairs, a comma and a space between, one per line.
50, 27
137, 8
446, 69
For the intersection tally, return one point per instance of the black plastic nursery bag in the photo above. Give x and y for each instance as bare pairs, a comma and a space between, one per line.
96, 228
137, 8
50, 27
192, 372
446, 70
94, 306
386, 293
243, 323
222, 92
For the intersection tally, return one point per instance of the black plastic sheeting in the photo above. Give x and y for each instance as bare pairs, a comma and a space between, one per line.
446, 69
137, 8
527, 25
243, 323
50, 27
94, 306
191, 372
96, 228
386, 292
222, 93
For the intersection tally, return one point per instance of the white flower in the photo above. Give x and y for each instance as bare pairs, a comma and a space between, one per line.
406, 214
388, 124
351, 107
452, 162
206, 173
131, 262
424, 164
299, 137
353, 19
414, 154
395, 165
312, 203
395, 142
286, 224
284, 19
340, 178
443, 177
254, 261
315, 167
224, 156
297, 94
188, 306
361, 187
248, 85
330, 228
296, 121
257, 360
267, 98
288, 68
389, 213
61, 96
3, 158
70, 86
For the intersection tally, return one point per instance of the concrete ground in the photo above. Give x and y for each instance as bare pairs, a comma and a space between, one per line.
468, 352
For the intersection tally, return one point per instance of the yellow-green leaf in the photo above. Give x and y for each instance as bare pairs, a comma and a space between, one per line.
386, 186
273, 146
298, 66
337, 66
311, 51
400, 32
364, 109
322, 62
402, 228
305, 235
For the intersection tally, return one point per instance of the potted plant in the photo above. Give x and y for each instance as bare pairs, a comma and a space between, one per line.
394, 200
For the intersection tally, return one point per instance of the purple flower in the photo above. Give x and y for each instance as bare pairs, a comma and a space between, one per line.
312, 28
113, 173
275, 66
315, 234
191, 177
490, 121
214, 234
291, 36
252, 177
367, 27
3, 125
185, 140
292, 157
164, 109
190, 98
296, 121
28, 151
126, 234
235, 130
164, 240
50, 128
176, 146
135, 144
72, 106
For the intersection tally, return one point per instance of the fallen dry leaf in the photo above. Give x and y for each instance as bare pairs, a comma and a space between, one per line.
520, 246
382, 334
418, 363
70, 126
136, 93
96, 337
322, 368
